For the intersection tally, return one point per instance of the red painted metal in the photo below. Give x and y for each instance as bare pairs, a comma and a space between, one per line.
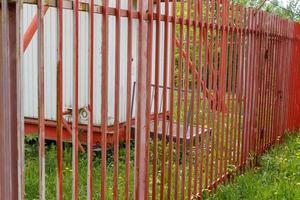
156, 98
104, 97
31, 30
223, 62
164, 113
293, 116
128, 101
140, 175
117, 102
198, 16
179, 82
172, 98
240, 85
41, 100
225, 84
149, 57
201, 35
216, 75
185, 100
229, 88
75, 110
90, 132
212, 86
59, 103
11, 119
204, 183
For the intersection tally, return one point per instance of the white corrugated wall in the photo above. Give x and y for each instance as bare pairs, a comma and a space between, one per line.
30, 63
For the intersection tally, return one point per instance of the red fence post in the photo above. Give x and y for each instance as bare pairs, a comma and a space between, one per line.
141, 145
11, 122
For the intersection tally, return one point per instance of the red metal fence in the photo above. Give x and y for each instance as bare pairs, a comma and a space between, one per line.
229, 90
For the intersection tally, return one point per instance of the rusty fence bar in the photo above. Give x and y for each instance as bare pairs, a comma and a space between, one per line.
159, 99
11, 104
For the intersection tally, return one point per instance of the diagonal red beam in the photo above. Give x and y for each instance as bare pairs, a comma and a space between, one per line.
192, 68
32, 28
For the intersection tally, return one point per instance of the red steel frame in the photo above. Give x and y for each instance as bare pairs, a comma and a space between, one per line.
240, 67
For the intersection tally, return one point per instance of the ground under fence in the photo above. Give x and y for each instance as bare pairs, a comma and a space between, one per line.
140, 99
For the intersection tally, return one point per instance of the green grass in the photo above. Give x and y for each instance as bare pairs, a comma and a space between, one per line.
31, 162
278, 176
32, 176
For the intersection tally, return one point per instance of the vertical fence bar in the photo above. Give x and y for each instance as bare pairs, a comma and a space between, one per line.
156, 99
202, 67
249, 76
75, 101
246, 119
241, 87
262, 80
288, 63
268, 56
282, 77
269, 103
192, 64
104, 98
117, 102
212, 87
41, 99
19, 91
217, 102
149, 55
205, 121
252, 97
164, 114
257, 81
90, 104
180, 72
210, 111
254, 83
128, 101
201, 74
231, 81
278, 82
265, 56
262, 65
223, 77
140, 131
251, 135
198, 22
274, 89
171, 100
11, 116
252, 131
185, 101
229, 86
236, 86
59, 102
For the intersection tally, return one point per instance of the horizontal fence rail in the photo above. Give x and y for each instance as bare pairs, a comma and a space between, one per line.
144, 99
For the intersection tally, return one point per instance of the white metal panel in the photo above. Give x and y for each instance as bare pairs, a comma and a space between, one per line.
30, 63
